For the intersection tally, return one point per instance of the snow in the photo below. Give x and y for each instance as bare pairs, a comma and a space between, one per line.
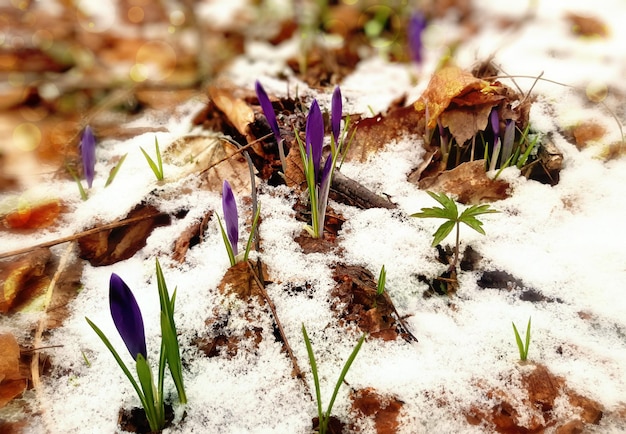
564, 241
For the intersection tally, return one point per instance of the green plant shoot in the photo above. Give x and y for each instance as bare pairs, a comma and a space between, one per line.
157, 167
324, 417
114, 171
521, 346
449, 212
382, 278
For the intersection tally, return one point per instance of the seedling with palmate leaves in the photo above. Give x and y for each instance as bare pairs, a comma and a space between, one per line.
324, 417
450, 212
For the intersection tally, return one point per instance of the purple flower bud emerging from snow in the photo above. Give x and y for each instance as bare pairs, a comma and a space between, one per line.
335, 114
314, 138
415, 28
268, 110
231, 218
127, 316
88, 154
495, 124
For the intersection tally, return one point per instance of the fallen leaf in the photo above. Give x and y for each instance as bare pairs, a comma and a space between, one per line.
12, 383
373, 134
384, 409
29, 215
586, 132
113, 245
465, 123
18, 274
445, 85
586, 25
468, 182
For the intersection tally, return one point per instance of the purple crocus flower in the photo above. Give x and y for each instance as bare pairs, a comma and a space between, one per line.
229, 206
335, 114
314, 138
127, 316
415, 28
88, 154
495, 124
268, 110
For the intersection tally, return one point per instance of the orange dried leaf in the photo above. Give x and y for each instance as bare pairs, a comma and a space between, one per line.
16, 275
33, 215
447, 84
12, 383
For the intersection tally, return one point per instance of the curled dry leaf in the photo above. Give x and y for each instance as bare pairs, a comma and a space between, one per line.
586, 25
113, 245
468, 182
216, 158
28, 215
373, 134
445, 85
22, 274
12, 383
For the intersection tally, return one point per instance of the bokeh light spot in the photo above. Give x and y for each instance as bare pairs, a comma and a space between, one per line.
597, 91
138, 73
177, 18
43, 39
95, 17
135, 14
27, 136
157, 60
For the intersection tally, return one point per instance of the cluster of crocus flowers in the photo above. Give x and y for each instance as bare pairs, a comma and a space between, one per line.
230, 235
128, 320
318, 176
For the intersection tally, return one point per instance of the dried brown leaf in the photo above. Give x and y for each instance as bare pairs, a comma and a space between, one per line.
464, 123
12, 383
373, 134
445, 85
29, 215
469, 183
383, 408
19, 274
587, 25
114, 245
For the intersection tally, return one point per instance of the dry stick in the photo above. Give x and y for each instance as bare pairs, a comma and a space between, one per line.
272, 307
34, 363
80, 235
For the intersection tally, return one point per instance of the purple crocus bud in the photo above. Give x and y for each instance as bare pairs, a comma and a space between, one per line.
127, 316
415, 28
495, 124
229, 206
88, 154
314, 136
335, 113
268, 110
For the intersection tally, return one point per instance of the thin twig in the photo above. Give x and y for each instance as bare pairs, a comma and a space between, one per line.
34, 363
283, 336
80, 235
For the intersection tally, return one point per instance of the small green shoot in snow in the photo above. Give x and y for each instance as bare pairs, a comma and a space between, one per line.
157, 168
324, 417
522, 347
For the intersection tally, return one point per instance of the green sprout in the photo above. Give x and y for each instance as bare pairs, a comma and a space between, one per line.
81, 189
450, 212
157, 168
522, 347
324, 417
382, 278
114, 171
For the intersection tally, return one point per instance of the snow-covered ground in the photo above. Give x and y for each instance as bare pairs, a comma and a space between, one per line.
565, 241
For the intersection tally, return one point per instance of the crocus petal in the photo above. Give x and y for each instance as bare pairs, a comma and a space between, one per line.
268, 110
315, 136
495, 124
127, 316
231, 218
88, 154
415, 28
335, 113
